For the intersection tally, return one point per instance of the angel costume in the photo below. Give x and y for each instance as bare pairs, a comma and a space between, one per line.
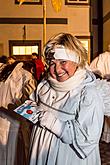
19, 82
70, 125
101, 65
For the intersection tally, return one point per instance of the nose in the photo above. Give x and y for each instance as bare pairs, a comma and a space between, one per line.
58, 68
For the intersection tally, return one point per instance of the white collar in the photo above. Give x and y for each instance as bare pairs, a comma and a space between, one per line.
70, 83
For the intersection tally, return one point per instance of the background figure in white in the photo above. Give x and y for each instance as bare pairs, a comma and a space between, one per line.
101, 66
16, 84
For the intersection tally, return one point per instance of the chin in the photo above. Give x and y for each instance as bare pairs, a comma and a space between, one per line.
62, 79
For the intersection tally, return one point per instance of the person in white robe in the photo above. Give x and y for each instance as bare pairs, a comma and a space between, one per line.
101, 66
14, 88
70, 106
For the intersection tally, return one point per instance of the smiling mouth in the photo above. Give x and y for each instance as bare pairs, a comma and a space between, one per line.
61, 74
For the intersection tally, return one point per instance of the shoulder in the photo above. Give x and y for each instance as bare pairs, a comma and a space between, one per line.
104, 56
16, 72
90, 94
19, 65
43, 87
43, 84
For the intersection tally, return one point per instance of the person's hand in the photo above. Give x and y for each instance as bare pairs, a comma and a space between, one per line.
62, 129
53, 124
66, 136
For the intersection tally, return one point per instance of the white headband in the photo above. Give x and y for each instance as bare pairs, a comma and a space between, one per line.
66, 54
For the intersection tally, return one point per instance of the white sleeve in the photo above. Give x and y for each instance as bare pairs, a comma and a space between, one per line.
86, 128
103, 87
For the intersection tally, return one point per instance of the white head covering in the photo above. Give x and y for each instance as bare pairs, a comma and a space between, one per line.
66, 54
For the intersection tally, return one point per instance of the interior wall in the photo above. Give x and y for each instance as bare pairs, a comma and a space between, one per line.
78, 21
1, 49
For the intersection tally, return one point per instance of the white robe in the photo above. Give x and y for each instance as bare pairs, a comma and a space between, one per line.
73, 139
18, 83
101, 65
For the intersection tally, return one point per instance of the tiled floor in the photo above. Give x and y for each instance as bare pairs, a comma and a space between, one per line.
105, 153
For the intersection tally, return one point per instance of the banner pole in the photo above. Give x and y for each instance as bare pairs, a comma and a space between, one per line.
44, 22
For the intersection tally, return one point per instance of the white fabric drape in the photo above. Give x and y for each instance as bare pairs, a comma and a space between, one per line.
69, 134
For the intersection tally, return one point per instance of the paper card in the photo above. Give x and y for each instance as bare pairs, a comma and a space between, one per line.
29, 111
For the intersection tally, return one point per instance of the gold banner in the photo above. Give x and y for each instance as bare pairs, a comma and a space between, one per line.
57, 5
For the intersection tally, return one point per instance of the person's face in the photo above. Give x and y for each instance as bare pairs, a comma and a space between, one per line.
11, 61
34, 57
62, 70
